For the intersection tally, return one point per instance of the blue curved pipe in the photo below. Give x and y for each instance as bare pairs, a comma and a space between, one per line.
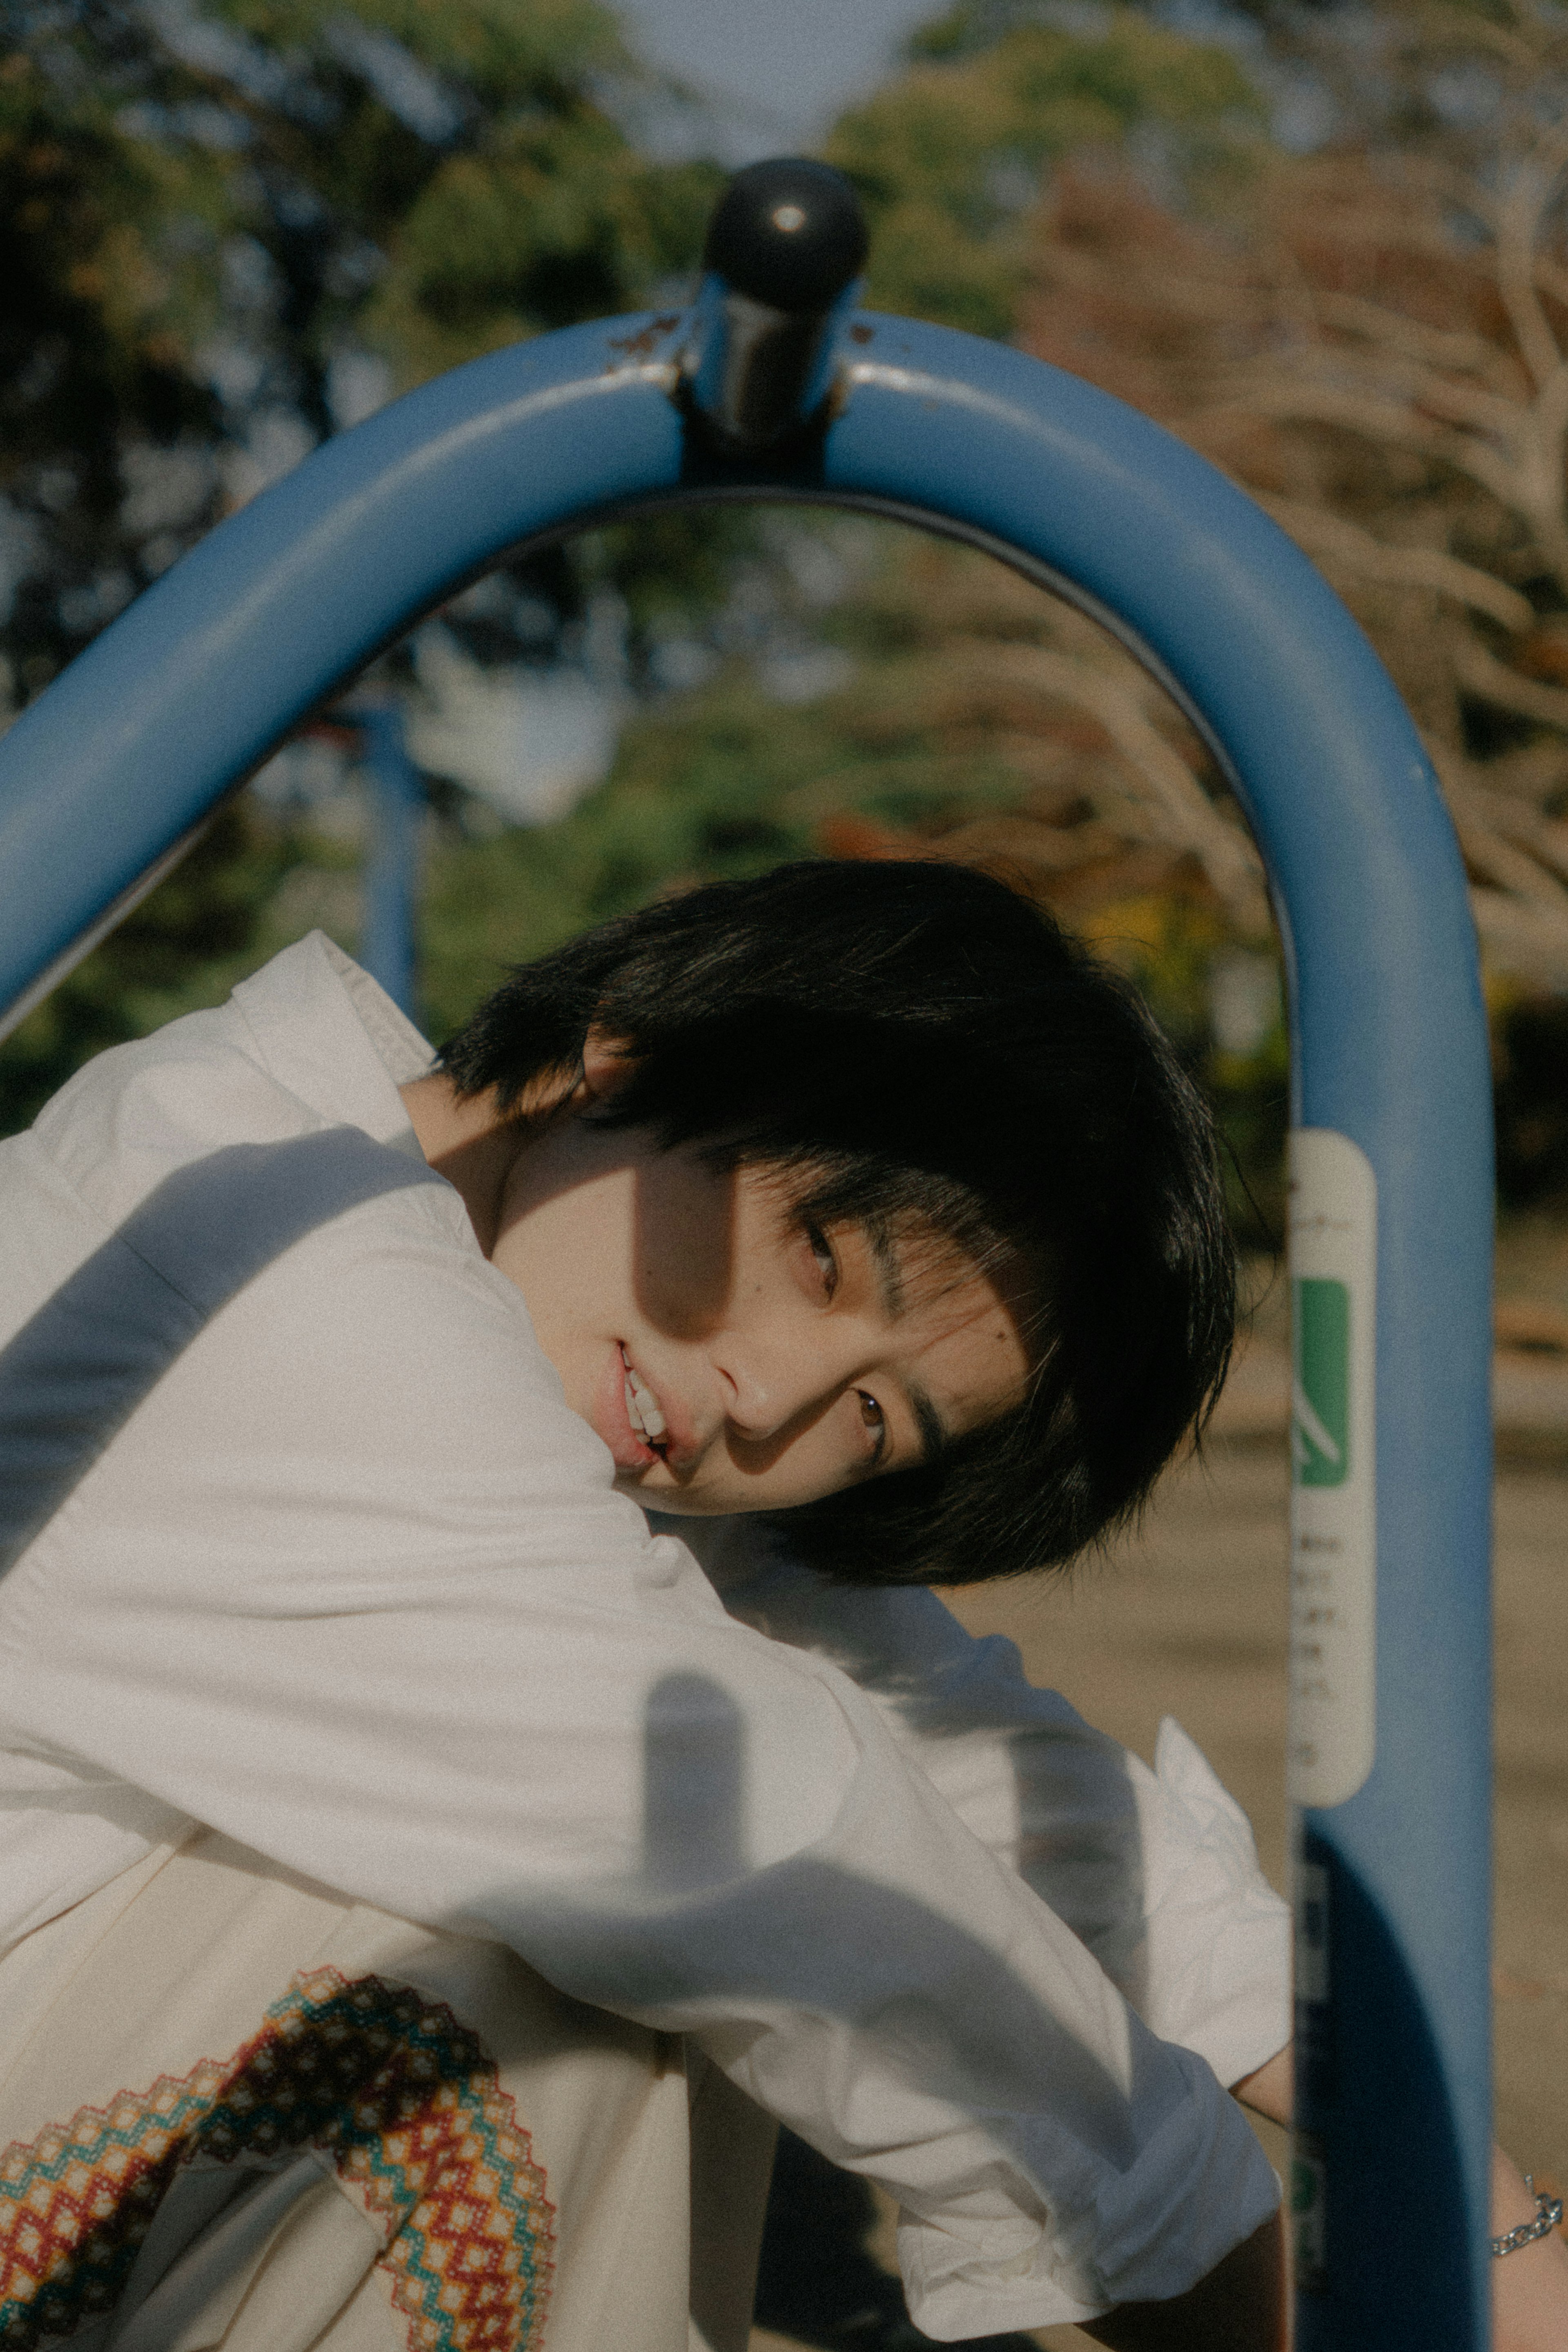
196, 684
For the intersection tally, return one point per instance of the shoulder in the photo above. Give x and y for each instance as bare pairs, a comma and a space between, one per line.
292, 1053
360, 1408
241, 1264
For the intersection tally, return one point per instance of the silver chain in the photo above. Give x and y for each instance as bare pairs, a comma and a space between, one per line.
1548, 2213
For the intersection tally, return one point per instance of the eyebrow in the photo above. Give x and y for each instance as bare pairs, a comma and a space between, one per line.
934, 1432
889, 1273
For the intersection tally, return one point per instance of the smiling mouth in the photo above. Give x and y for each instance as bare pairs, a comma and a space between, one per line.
643, 1410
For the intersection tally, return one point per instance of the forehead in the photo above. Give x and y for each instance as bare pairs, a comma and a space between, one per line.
959, 1355
927, 1273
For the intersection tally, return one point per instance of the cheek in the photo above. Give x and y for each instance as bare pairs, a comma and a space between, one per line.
684, 1244
569, 1258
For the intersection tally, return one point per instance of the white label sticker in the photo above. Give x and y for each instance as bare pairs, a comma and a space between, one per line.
1334, 1486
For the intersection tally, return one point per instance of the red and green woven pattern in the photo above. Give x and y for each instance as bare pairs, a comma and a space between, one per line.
409, 2104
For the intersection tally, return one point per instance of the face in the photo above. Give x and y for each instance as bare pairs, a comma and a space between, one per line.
731, 1359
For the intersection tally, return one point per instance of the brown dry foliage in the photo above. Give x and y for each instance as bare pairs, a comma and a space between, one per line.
1377, 347
1036, 747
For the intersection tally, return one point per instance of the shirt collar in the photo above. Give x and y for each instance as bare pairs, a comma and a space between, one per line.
332, 1036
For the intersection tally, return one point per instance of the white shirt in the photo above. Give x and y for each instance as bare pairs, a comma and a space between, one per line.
303, 1542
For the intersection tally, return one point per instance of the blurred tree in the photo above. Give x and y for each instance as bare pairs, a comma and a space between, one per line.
948, 158
948, 155
1380, 352
984, 721
222, 228
230, 228
1377, 348
1373, 339
225, 231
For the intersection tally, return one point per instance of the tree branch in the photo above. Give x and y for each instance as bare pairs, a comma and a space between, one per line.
1482, 675
1323, 532
1189, 818
1437, 346
1545, 838
1519, 229
1383, 421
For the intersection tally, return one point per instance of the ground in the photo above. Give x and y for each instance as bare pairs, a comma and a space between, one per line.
1188, 1619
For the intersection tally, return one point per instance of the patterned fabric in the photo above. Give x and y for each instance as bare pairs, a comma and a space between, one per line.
404, 2098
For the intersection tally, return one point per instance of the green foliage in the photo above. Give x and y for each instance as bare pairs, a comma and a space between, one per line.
705, 788
201, 213
552, 222
948, 156
97, 312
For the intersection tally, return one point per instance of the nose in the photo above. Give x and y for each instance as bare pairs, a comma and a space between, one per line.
771, 1384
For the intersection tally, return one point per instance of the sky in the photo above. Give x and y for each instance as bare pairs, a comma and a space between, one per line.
777, 71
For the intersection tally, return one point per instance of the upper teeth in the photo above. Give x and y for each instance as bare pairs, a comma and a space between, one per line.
643, 1407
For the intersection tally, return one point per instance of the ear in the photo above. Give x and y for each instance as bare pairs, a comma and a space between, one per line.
607, 1064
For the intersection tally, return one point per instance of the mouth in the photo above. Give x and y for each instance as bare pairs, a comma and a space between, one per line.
629, 1416
642, 1409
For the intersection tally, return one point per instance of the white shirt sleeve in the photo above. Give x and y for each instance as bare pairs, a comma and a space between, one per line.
350, 1582
1156, 1871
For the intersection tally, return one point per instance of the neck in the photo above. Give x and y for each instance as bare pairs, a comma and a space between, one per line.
471, 1142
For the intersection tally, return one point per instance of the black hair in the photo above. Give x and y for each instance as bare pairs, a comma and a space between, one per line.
914, 1042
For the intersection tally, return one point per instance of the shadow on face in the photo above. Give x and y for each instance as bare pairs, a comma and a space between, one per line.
684, 1240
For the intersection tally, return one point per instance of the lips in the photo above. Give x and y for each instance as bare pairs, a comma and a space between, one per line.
612, 1419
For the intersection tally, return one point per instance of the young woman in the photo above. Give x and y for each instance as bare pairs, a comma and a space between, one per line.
399, 1839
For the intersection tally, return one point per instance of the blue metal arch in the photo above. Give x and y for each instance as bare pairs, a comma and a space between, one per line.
192, 687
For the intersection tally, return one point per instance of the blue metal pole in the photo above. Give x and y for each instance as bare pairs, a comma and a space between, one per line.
194, 684
391, 866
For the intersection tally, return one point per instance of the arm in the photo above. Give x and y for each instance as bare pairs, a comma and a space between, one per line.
1270, 2089
1156, 1871
1529, 2286
1238, 2308
1106, 1844
1242, 2300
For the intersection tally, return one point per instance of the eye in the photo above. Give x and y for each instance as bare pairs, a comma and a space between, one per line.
873, 1422
822, 1251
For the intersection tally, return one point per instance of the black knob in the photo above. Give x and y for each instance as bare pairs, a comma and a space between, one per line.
789, 233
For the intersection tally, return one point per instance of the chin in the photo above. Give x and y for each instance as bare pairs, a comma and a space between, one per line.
673, 1501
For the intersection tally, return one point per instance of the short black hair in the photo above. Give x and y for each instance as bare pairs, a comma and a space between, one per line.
914, 1041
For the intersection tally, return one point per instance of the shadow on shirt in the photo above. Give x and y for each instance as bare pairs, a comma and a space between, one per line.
73, 1374
1076, 1826
818, 2281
